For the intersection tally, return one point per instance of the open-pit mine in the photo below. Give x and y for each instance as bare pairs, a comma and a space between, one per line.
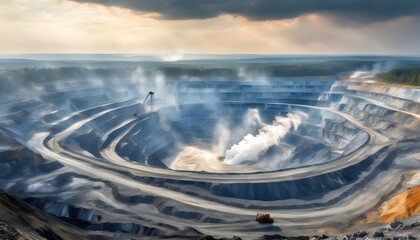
155, 148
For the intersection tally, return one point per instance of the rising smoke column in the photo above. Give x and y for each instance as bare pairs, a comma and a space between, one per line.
251, 146
371, 73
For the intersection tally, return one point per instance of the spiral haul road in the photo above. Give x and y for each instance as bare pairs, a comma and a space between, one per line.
315, 154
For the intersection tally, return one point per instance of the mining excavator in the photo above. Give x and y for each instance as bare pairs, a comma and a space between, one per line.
151, 98
264, 218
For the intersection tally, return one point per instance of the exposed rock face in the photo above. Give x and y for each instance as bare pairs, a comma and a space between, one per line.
8, 232
76, 151
401, 206
20, 221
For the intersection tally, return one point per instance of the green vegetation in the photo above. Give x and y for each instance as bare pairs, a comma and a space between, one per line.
269, 70
409, 76
310, 69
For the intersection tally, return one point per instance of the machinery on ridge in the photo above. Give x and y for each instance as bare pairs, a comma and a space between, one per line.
151, 98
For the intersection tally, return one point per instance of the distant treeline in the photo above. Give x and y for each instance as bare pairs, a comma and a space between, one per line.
38, 75
409, 76
269, 70
12, 80
310, 69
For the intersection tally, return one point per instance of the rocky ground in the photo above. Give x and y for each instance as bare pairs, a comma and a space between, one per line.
19, 220
405, 229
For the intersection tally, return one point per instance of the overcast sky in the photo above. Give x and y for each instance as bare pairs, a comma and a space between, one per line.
211, 26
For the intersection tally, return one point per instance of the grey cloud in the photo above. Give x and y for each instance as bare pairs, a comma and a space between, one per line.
350, 11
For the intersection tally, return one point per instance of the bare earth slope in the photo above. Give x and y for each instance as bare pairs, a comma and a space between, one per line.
18, 220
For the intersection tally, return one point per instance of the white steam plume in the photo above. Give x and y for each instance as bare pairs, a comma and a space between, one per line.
371, 73
251, 146
226, 136
245, 74
157, 82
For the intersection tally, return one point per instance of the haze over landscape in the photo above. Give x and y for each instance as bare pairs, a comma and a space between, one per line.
209, 119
